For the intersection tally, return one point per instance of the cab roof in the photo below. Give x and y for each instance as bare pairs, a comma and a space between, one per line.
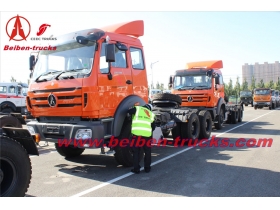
213, 64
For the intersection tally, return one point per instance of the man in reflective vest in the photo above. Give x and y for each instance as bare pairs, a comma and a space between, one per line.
142, 128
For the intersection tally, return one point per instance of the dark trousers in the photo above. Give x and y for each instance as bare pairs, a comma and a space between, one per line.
137, 151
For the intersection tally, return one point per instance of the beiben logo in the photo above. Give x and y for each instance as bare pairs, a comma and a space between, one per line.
52, 100
17, 27
190, 98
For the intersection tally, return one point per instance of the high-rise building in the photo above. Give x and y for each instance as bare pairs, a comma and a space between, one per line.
266, 72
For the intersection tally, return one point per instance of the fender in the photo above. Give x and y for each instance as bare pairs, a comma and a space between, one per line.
221, 103
22, 136
8, 104
121, 112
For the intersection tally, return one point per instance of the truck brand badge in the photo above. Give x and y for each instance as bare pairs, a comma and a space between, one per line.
52, 84
52, 100
190, 99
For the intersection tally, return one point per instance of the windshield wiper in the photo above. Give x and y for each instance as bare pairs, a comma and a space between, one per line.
201, 87
44, 74
185, 88
67, 71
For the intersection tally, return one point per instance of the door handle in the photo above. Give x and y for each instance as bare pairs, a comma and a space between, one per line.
128, 82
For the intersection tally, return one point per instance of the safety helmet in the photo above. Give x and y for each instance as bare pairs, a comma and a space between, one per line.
149, 106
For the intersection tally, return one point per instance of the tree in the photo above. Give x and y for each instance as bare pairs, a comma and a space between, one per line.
13, 79
253, 85
157, 85
277, 84
270, 84
261, 84
245, 85
237, 87
230, 87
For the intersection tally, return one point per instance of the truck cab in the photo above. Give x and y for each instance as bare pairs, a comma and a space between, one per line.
246, 97
13, 97
83, 88
264, 97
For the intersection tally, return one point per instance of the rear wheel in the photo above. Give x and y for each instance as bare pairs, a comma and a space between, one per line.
234, 117
16, 170
218, 125
205, 120
69, 151
240, 115
192, 128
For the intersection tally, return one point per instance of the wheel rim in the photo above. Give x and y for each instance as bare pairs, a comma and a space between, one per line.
8, 175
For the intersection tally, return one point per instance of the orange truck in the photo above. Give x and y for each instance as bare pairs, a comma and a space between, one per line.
83, 89
202, 101
264, 97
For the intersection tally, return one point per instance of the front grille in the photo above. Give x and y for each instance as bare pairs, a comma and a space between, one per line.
194, 98
65, 97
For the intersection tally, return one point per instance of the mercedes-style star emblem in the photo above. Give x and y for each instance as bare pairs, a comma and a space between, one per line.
190, 99
52, 100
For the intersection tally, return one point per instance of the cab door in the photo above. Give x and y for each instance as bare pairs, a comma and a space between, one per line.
114, 80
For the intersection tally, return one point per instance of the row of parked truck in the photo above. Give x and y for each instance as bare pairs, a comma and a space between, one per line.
103, 75
261, 97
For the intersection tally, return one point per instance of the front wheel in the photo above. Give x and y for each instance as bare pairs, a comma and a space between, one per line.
16, 170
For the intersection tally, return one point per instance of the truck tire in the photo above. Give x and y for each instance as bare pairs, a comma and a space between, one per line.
166, 97
192, 129
16, 169
124, 155
9, 121
205, 120
220, 122
234, 117
69, 151
240, 115
7, 110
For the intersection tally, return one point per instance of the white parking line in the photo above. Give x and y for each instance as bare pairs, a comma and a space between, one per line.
155, 163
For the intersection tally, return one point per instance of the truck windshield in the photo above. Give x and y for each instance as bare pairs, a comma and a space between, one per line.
192, 82
262, 92
245, 93
67, 57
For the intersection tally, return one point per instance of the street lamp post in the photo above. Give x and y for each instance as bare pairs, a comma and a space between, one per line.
152, 86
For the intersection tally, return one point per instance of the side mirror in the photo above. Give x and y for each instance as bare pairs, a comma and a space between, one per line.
81, 40
209, 73
31, 62
170, 81
31, 75
110, 53
216, 80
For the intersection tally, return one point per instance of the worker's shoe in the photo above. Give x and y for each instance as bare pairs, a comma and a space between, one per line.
136, 171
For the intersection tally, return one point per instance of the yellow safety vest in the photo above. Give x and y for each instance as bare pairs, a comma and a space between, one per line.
141, 122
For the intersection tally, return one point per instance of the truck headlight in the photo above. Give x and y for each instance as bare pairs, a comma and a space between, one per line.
31, 130
268, 103
83, 134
